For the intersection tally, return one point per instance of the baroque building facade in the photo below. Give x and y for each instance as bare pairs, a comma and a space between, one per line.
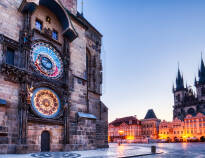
130, 129
191, 129
50, 78
150, 125
126, 129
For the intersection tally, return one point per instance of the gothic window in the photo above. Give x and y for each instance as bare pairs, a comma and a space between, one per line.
55, 35
39, 25
10, 56
178, 97
191, 111
88, 68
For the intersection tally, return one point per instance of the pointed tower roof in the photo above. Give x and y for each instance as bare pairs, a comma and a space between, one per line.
150, 114
201, 72
179, 81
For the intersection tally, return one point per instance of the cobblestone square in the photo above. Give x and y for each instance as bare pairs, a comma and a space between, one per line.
176, 150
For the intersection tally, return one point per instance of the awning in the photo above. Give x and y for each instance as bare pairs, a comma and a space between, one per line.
2, 102
86, 115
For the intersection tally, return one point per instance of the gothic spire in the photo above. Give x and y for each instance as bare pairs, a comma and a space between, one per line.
179, 81
201, 72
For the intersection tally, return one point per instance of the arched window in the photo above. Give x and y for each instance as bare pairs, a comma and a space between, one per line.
191, 111
88, 67
178, 97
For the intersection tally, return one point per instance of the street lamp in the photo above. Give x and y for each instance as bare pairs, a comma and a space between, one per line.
121, 134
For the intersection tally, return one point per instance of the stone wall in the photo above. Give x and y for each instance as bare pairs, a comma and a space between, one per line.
34, 131
82, 135
78, 52
8, 116
104, 112
78, 68
71, 5
1, 53
11, 20
101, 134
94, 104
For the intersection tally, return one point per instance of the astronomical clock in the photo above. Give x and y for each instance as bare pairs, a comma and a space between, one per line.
45, 96
45, 103
46, 60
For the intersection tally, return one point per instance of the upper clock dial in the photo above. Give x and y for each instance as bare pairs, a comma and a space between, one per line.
46, 60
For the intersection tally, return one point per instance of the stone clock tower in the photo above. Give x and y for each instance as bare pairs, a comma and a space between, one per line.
51, 77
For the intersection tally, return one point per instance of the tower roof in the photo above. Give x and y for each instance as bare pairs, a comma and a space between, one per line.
201, 72
119, 121
150, 114
179, 81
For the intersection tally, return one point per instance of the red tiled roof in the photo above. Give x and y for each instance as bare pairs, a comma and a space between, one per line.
126, 120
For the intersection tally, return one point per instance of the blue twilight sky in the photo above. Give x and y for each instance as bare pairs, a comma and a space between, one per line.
142, 42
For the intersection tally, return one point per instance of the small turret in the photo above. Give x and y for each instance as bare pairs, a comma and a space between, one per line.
201, 73
180, 90
200, 84
179, 81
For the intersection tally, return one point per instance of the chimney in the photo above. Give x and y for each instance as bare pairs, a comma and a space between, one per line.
71, 5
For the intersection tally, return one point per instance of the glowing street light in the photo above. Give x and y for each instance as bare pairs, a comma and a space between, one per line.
121, 133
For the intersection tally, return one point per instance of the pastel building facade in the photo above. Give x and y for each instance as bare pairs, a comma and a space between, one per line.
127, 129
191, 129
130, 129
150, 125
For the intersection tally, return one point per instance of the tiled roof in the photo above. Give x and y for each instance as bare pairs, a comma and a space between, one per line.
126, 120
150, 114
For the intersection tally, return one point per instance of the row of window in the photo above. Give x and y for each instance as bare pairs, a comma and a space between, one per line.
39, 26
195, 120
194, 125
195, 131
147, 125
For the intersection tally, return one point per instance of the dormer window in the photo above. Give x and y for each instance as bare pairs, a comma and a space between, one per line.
39, 25
55, 35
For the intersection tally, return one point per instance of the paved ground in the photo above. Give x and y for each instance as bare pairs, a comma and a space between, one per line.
180, 150
172, 150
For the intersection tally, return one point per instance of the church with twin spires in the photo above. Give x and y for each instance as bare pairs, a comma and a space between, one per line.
186, 101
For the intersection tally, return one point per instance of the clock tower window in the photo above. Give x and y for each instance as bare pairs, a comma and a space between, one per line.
39, 25
55, 35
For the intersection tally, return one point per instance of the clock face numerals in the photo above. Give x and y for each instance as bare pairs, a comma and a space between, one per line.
46, 60
45, 102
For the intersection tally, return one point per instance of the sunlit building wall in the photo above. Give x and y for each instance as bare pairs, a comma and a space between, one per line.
191, 129
150, 125
127, 129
